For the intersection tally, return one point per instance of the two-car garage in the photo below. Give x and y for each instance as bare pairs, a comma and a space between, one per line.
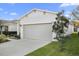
37, 25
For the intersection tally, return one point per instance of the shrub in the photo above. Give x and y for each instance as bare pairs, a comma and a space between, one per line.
3, 38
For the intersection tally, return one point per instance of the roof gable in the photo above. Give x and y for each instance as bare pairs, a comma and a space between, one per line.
38, 16
27, 13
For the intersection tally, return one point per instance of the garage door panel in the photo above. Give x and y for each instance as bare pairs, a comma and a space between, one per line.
38, 31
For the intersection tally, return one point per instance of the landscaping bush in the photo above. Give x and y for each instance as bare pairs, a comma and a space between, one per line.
72, 45
3, 38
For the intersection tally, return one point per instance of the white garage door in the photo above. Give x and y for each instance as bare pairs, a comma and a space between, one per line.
38, 32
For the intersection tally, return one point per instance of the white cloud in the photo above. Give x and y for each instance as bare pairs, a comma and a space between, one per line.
5, 12
64, 5
13, 13
68, 4
1, 9
67, 13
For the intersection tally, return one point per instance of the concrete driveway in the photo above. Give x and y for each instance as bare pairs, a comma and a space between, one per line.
20, 47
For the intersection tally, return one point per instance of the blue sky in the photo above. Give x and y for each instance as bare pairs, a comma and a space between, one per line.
12, 11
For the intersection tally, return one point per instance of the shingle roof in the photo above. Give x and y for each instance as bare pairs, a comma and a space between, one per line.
8, 21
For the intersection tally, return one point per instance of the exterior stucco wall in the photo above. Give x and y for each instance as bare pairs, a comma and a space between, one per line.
70, 29
11, 26
38, 17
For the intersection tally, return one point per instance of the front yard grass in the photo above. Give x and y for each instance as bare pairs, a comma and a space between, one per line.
48, 50
52, 49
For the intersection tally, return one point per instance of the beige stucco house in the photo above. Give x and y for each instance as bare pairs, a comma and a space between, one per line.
36, 25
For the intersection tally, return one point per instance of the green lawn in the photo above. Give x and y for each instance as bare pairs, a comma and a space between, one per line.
52, 49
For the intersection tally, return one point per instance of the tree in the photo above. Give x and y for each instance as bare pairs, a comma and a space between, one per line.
58, 27
75, 13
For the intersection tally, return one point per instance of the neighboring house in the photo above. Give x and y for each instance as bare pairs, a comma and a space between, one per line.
70, 28
76, 25
9, 26
37, 25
